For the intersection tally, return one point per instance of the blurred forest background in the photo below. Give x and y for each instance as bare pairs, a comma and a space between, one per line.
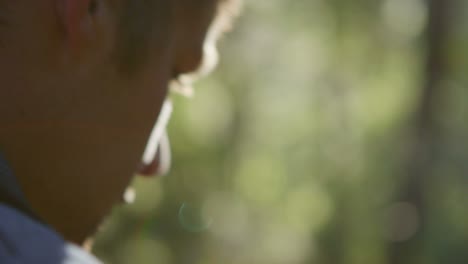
333, 132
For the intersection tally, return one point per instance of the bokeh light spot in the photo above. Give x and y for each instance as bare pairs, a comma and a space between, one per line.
407, 18
261, 179
192, 219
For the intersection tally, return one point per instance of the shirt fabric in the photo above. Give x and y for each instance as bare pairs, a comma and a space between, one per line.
24, 240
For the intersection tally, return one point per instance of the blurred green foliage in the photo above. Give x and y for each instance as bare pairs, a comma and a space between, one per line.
301, 148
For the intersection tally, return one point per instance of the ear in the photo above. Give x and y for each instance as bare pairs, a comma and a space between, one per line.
77, 19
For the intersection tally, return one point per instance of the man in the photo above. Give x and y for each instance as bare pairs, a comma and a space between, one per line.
83, 82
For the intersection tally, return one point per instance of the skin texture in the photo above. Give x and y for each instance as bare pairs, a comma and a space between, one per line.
79, 100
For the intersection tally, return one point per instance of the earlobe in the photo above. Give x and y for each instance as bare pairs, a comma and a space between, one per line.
189, 58
192, 23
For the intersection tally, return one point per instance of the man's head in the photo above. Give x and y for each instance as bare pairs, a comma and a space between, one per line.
83, 82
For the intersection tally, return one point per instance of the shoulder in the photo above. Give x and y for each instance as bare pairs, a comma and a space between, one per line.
23, 240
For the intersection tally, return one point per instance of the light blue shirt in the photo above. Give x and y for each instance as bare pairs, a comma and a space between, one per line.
24, 240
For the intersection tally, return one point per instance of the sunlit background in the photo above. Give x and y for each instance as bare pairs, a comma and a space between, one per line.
333, 132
